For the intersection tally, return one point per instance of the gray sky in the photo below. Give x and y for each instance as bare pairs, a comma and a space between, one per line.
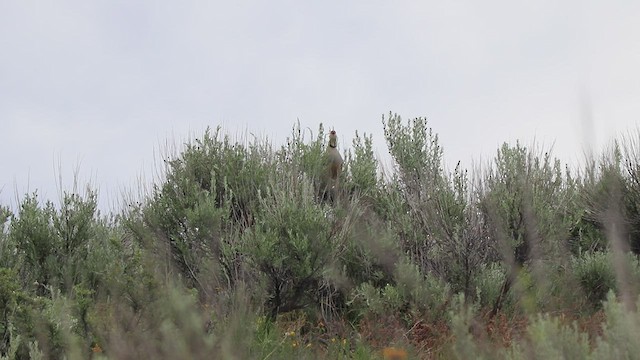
101, 86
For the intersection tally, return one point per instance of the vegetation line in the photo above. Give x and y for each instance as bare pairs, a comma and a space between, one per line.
245, 250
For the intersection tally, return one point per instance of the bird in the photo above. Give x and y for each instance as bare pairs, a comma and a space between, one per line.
333, 161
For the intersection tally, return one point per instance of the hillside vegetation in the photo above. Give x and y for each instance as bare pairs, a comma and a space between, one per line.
238, 253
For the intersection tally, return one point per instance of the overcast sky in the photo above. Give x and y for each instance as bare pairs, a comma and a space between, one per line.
100, 86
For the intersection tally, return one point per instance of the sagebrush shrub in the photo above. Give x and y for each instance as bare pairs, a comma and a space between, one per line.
236, 253
291, 243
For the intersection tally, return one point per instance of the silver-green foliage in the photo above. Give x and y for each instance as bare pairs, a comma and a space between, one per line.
553, 337
52, 244
525, 200
432, 211
363, 166
290, 243
596, 273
